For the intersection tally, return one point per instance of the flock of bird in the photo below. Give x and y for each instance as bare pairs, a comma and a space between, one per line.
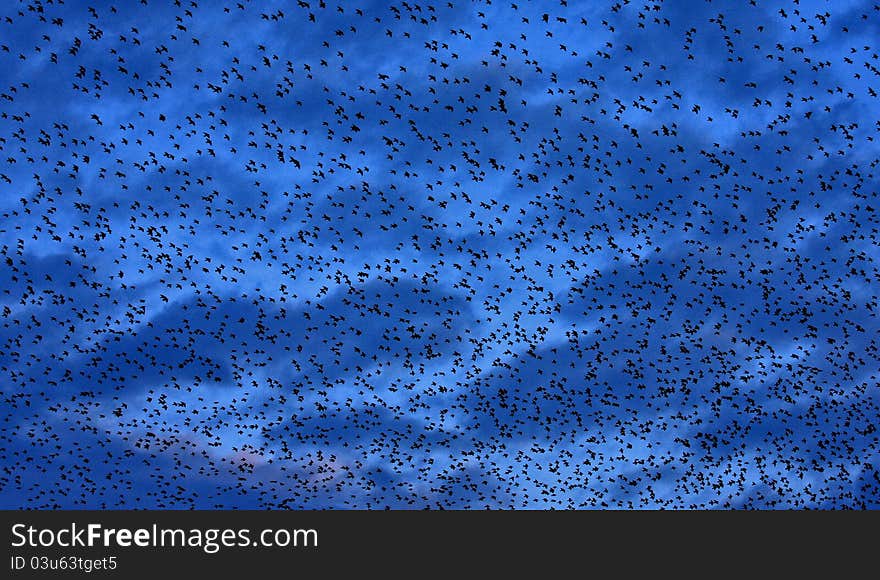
464, 254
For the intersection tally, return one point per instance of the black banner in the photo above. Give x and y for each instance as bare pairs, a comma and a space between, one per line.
125, 544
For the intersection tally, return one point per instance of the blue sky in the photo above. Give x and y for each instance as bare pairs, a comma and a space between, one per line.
457, 255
